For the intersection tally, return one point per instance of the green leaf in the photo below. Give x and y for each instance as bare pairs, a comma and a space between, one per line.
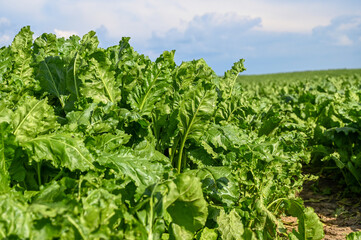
51, 75
15, 219
5, 62
196, 109
126, 164
98, 80
309, 225
45, 46
154, 84
8, 147
218, 184
62, 149
186, 197
354, 236
228, 82
230, 225
32, 118
207, 234
21, 52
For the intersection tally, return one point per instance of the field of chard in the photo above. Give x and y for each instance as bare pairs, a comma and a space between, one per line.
107, 144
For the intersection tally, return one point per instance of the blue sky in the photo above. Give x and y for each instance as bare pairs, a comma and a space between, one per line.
271, 35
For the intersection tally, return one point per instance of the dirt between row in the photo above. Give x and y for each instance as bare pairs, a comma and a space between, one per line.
340, 215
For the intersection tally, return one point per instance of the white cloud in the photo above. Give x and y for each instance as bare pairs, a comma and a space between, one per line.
64, 34
222, 40
4, 39
344, 40
4, 21
142, 18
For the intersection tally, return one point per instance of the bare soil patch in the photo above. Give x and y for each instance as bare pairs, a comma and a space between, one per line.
340, 214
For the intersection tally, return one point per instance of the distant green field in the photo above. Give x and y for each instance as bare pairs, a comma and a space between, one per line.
295, 76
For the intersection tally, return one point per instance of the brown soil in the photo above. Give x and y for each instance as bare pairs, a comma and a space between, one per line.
340, 215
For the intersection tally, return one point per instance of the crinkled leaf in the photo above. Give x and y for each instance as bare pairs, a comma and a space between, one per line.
218, 184
354, 236
5, 62
228, 82
62, 149
230, 225
309, 225
186, 207
195, 112
196, 109
7, 151
15, 220
21, 51
125, 163
98, 80
45, 46
154, 84
32, 118
207, 234
51, 75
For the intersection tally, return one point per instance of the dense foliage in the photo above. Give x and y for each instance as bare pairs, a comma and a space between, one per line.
107, 144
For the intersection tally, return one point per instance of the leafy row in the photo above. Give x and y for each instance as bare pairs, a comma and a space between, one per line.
107, 144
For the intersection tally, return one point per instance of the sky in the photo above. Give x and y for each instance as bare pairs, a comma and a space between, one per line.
271, 35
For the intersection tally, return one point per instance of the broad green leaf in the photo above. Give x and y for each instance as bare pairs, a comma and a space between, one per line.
21, 52
98, 80
191, 73
7, 151
196, 109
154, 85
229, 111
309, 225
72, 80
15, 219
51, 75
45, 46
5, 113
218, 184
354, 236
112, 142
62, 149
33, 118
186, 207
5, 62
230, 225
228, 82
126, 164
207, 234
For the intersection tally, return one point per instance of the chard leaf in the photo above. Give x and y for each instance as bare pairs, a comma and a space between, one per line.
309, 225
228, 82
7, 152
154, 84
98, 81
112, 142
21, 51
62, 149
230, 225
196, 110
45, 46
218, 184
15, 219
185, 197
207, 234
5, 113
142, 171
52, 78
5, 62
32, 118
354, 236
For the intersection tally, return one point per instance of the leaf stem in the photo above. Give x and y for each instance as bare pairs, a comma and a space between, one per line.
38, 169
